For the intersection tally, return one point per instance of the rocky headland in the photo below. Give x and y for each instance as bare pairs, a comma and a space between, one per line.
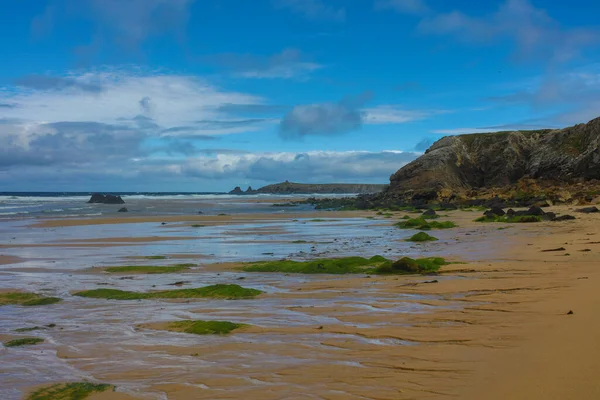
513, 168
309, 188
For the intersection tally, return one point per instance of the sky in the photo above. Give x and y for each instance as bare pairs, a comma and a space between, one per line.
205, 95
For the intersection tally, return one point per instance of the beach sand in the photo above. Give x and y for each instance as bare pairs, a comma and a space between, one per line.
496, 327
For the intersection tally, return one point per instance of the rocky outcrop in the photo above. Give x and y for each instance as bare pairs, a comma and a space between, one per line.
308, 188
487, 160
106, 199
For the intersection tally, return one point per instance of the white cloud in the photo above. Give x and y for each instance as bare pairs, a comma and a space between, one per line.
395, 114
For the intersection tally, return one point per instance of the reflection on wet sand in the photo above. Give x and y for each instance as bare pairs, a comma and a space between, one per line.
321, 337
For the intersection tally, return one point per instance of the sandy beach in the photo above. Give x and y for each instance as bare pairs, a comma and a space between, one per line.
494, 325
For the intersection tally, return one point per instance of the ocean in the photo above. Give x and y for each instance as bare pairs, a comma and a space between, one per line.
74, 204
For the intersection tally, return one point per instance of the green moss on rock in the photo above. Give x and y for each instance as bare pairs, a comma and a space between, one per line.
149, 269
407, 265
345, 265
23, 342
421, 237
204, 327
69, 391
424, 225
26, 299
221, 291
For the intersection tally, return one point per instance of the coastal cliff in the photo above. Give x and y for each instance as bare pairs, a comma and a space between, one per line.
458, 164
309, 188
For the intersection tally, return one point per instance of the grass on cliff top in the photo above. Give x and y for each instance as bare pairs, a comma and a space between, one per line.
424, 225
149, 269
346, 265
407, 265
421, 237
511, 220
69, 391
204, 327
221, 291
26, 299
23, 342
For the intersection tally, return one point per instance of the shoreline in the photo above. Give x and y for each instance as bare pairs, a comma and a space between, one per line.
494, 328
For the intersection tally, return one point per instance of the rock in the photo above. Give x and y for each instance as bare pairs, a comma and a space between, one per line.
448, 207
200, 212
462, 163
124, 209
498, 211
429, 213
570, 312
549, 216
489, 214
535, 210
406, 264
237, 190
588, 210
510, 212
557, 249
106, 199
564, 218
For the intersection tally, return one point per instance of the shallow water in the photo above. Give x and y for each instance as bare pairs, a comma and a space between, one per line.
98, 338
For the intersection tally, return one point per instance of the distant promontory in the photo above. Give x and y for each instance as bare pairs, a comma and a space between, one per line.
313, 188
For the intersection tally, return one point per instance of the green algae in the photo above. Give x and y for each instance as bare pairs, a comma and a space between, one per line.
34, 328
407, 265
155, 257
198, 225
69, 391
149, 269
421, 237
220, 291
511, 219
204, 327
424, 225
26, 299
346, 265
23, 342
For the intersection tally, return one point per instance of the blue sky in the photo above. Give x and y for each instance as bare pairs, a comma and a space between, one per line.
204, 95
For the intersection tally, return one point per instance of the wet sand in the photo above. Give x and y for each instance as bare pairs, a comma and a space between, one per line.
495, 327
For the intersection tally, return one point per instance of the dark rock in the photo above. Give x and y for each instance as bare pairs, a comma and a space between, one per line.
535, 210
549, 216
106, 199
237, 190
406, 264
588, 210
570, 312
557, 249
124, 209
489, 214
498, 211
448, 207
564, 218
510, 212
429, 213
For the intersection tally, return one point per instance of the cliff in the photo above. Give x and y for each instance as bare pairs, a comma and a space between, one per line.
308, 188
494, 160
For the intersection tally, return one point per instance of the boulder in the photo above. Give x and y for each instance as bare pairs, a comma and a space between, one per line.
106, 199
429, 213
588, 210
406, 264
498, 211
564, 218
123, 209
535, 210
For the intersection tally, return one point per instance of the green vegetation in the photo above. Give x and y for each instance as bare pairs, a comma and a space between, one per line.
69, 391
26, 299
198, 225
421, 237
149, 269
230, 292
511, 219
423, 225
346, 265
408, 265
23, 342
204, 327
35, 328
318, 220
155, 257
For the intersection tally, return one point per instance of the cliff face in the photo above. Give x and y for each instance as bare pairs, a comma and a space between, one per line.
498, 159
